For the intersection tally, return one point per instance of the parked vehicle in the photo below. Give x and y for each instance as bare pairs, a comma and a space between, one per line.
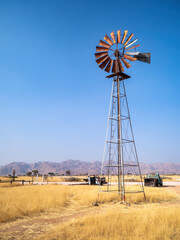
95, 180
153, 180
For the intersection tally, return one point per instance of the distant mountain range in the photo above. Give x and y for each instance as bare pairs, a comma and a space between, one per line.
82, 167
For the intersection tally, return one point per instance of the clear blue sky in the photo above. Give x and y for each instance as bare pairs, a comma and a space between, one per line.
54, 99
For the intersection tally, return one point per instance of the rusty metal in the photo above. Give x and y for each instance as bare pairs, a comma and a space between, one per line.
101, 49
118, 54
129, 38
113, 37
100, 60
104, 44
126, 63
101, 54
133, 47
108, 67
103, 64
108, 40
130, 58
124, 36
115, 66
121, 75
120, 66
118, 36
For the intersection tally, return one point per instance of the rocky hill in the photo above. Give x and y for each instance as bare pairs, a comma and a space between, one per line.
82, 167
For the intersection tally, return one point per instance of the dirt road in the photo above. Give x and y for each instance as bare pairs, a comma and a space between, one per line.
82, 183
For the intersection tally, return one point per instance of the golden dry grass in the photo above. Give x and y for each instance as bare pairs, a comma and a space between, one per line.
27, 200
150, 223
171, 178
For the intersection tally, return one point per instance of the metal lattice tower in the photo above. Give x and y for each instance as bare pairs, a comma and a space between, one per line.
120, 155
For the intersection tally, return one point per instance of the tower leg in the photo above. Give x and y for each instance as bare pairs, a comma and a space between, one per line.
119, 136
137, 160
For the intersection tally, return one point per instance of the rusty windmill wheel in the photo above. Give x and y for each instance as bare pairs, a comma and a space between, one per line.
117, 51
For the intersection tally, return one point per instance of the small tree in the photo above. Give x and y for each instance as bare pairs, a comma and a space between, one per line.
51, 174
68, 172
28, 174
35, 172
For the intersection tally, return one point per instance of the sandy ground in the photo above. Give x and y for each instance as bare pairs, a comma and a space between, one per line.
82, 183
175, 189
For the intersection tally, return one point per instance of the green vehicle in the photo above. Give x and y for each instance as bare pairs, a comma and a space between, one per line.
153, 180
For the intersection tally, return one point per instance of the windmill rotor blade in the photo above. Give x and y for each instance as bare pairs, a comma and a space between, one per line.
102, 59
144, 57
126, 63
132, 53
129, 38
124, 36
115, 66
101, 49
104, 44
103, 64
131, 43
118, 36
121, 69
133, 47
108, 67
100, 54
108, 40
113, 37
130, 58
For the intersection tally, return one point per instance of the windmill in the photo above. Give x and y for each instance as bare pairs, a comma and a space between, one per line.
120, 158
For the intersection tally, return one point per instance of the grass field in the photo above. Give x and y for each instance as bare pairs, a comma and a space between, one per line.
150, 223
28, 200
70, 213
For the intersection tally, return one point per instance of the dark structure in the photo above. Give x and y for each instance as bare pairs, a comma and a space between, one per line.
153, 180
